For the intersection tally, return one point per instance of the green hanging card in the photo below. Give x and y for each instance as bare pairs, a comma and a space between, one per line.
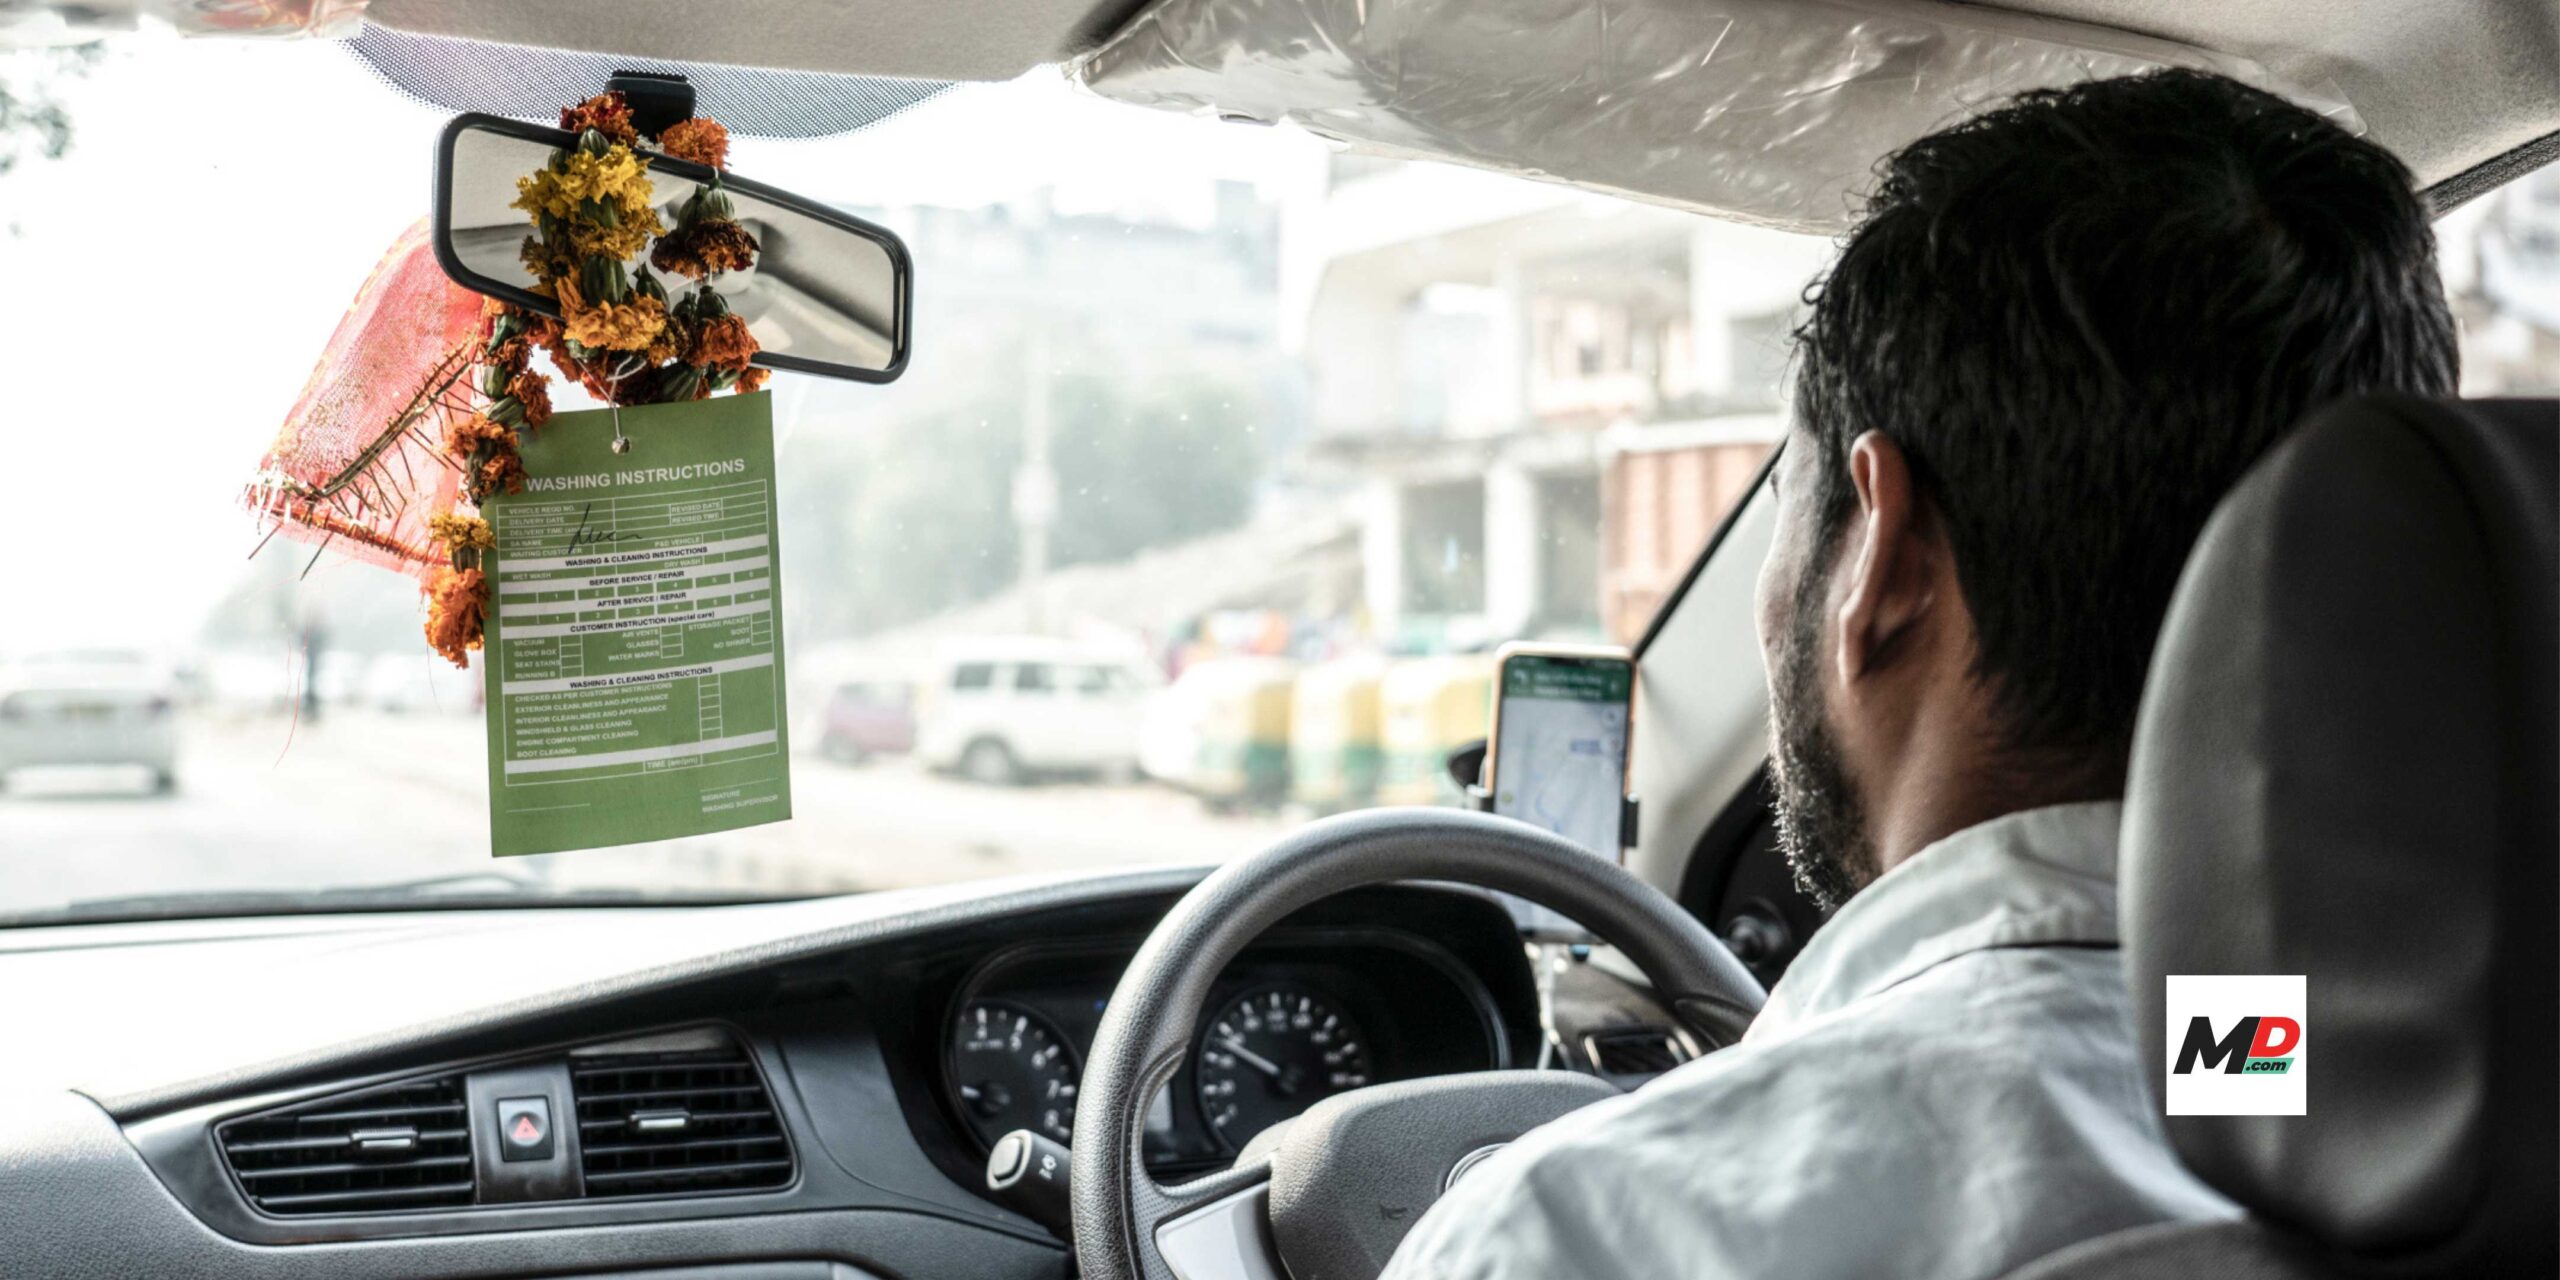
634, 653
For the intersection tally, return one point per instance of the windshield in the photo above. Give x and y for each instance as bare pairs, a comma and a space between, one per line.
1223, 462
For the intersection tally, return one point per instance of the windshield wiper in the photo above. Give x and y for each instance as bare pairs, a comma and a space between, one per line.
470, 890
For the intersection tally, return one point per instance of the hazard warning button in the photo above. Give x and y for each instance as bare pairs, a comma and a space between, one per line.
524, 1129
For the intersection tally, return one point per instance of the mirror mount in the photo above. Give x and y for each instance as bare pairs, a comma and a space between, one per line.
657, 99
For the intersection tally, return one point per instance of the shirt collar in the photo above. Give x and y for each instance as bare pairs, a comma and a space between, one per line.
2038, 877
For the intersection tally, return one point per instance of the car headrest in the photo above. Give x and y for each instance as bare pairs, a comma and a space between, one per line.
2344, 769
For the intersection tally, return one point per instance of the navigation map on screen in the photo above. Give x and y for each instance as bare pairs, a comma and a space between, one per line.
1561, 763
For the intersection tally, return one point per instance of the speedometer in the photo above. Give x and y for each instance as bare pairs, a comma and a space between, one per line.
1272, 1054
1012, 1071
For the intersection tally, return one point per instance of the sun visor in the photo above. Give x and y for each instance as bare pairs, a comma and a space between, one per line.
1764, 111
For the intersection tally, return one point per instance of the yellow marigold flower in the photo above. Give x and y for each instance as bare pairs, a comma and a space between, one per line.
618, 179
622, 326
621, 242
457, 532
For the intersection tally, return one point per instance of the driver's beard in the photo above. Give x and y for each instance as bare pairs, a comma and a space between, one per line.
1822, 826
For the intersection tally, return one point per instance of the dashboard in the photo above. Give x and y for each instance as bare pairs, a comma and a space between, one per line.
757, 1091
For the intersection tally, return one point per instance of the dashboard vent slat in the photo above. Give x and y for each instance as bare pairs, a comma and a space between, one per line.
1634, 1051
308, 1159
673, 1123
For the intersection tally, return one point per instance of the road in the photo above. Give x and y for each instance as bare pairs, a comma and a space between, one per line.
355, 798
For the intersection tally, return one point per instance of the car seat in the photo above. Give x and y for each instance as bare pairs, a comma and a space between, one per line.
2344, 768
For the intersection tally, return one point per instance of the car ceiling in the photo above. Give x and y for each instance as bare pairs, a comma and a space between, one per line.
2448, 86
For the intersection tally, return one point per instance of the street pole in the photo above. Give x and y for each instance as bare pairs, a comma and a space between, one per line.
1035, 486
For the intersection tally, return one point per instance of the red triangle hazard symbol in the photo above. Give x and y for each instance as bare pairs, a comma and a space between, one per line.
526, 1130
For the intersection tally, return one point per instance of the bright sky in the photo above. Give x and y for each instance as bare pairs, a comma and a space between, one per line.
171, 282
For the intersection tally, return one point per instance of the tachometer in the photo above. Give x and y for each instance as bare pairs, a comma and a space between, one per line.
1012, 1071
1272, 1054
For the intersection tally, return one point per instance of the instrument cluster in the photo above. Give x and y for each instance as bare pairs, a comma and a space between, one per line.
1290, 1024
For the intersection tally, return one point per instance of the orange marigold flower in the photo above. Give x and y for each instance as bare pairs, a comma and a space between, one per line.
457, 607
533, 391
545, 332
700, 248
502, 473
511, 354
752, 379
466, 436
701, 140
722, 342
607, 113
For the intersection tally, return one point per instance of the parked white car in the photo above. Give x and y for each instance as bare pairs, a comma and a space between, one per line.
1003, 711
89, 709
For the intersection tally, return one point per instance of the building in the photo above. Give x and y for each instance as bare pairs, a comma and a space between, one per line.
1548, 397
2501, 256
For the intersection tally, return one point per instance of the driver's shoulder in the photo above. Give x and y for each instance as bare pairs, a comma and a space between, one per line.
1941, 1050
1752, 1159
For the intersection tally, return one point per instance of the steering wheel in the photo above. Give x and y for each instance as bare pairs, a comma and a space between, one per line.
1335, 1190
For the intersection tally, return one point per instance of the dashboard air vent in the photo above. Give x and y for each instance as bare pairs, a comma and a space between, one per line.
403, 1146
667, 1123
1634, 1051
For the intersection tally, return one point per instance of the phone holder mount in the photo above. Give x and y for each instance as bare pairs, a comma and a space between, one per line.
1466, 769
1629, 808
1542, 922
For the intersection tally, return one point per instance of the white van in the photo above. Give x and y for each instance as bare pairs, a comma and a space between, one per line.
1004, 711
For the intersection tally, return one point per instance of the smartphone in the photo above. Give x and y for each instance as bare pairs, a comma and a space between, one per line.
1563, 719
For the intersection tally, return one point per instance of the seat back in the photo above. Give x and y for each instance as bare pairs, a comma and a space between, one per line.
2345, 769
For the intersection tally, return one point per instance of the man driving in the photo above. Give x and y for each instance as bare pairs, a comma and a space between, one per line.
2061, 331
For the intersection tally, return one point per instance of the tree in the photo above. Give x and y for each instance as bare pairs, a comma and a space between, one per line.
915, 517
33, 121
1146, 472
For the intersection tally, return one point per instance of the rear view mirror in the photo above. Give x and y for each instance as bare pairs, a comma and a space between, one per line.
828, 294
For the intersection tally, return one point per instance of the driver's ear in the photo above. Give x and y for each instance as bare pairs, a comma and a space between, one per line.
1898, 568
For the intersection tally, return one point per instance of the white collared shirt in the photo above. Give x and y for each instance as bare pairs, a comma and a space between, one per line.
1943, 1085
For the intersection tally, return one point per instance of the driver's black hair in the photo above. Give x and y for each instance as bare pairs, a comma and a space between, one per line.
2082, 315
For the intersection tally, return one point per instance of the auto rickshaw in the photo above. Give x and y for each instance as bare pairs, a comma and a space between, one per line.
1334, 754
1243, 706
1429, 707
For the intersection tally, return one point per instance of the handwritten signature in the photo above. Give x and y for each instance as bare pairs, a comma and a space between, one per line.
583, 537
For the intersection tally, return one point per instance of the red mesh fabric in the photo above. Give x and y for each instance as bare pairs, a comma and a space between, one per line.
337, 473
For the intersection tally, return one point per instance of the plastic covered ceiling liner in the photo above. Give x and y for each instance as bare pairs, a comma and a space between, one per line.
1765, 111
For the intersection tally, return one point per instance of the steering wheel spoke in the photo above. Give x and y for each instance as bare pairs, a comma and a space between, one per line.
1217, 1227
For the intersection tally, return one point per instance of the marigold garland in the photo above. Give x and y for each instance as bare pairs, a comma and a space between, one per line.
619, 334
